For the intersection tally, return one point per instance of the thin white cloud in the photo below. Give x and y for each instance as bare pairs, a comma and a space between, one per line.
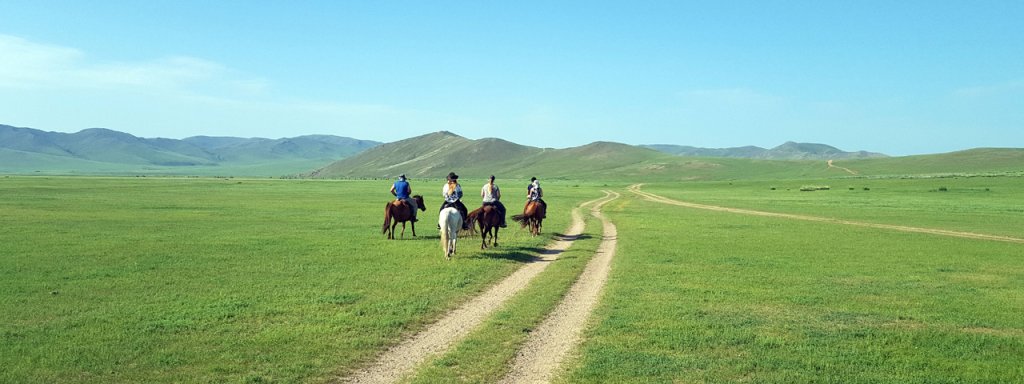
26, 64
990, 90
30, 65
180, 94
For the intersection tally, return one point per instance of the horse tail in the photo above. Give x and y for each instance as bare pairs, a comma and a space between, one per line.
442, 221
521, 219
444, 239
387, 218
471, 219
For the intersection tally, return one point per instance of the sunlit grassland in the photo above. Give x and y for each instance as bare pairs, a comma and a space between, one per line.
484, 356
991, 205
195, 280
703, 296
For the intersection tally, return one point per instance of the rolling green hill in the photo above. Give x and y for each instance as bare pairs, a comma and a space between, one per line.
104, 151
787, 151
107, 152
971, 161
434, 155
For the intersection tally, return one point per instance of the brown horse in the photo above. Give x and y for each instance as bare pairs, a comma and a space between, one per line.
487, 217
533, 215
399, 211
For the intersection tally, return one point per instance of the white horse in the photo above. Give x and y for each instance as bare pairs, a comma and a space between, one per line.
450, 221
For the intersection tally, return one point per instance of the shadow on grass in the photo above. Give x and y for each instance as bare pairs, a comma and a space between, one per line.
528, 254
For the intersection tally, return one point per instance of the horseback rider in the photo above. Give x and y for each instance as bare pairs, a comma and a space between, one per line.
403, 191
452, 193
491, 196
534, 193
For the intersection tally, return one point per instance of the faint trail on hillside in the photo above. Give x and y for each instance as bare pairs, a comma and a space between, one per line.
547, 346
403, 358
942, 232
830, 165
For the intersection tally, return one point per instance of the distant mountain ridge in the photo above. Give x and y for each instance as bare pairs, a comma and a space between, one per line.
787, 151
103, 149
433, 155
100, 151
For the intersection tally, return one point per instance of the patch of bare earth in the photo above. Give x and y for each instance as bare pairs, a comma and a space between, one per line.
403, 358
561, 331
942, 232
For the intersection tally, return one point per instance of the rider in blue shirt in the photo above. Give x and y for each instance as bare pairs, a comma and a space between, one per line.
403, 191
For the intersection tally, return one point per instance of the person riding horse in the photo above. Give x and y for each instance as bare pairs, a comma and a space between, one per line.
491, 196
403, 191
452, 193
535, 193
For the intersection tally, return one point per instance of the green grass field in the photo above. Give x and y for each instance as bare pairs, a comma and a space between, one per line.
703, 296
184, 280
244, 280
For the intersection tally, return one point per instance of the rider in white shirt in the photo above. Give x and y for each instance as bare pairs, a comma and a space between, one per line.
452, 193
491, 194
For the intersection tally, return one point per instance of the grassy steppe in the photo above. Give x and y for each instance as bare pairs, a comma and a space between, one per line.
990, 205
241, 280
192, 280
702, 296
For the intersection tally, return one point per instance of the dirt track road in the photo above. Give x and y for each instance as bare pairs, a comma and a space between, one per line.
941, 232
403, 358
548, 345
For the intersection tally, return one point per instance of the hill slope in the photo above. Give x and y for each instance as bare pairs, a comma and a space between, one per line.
787, 151
98, 150
434, 155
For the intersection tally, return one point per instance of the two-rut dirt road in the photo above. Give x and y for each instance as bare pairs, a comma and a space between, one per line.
562, 327
942, 232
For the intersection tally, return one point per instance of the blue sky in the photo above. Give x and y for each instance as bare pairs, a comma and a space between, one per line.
898, 77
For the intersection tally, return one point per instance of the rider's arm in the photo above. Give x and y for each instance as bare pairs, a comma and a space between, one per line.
393, 190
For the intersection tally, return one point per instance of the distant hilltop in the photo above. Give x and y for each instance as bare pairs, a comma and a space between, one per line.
98, 151
787, 151
435, 154
105, 151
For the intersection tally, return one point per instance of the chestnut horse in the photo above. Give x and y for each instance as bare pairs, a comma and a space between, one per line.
488, 218
533, 214
399, 211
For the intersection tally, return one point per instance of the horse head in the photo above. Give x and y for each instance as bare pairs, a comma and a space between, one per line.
419, 202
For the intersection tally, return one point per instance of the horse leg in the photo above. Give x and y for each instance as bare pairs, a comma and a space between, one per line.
494, 237
483, 237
